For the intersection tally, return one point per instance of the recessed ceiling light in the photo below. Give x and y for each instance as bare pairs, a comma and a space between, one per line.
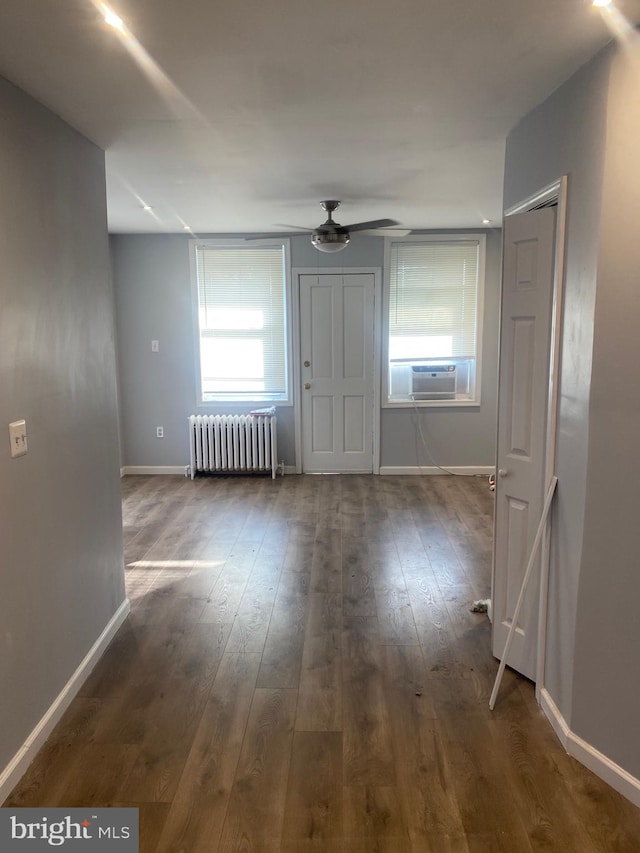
486, 222
113, 20
147, 207
601, 2
187, 227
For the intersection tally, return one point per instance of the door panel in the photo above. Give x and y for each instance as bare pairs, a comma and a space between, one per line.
336, 348
522, 365
322, 424
354, 425
354, 333
522, 417
517, 528
321, 332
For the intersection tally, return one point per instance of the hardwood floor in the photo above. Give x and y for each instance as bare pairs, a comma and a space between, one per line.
301, 672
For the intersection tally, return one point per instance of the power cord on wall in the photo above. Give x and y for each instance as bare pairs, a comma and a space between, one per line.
428, 452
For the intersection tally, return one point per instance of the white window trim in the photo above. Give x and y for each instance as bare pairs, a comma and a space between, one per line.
234, 243
433, 238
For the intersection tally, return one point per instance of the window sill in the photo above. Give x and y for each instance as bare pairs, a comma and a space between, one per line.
249, 403
431, 404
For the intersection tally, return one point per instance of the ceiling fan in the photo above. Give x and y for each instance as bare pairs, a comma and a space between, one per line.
333, 237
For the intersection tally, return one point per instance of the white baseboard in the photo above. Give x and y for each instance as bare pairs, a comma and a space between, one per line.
553, 714
181, 470
605, 768
153, 469
468, 470
18, 765
588, 755
473, 470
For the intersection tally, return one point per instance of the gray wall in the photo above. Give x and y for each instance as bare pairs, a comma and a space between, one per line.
590, 130
565, 135
60, 520
153, 301
606, 684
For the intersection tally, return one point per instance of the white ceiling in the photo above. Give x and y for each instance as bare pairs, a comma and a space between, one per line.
241, 116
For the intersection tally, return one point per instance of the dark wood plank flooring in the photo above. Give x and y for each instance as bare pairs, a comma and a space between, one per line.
301, 672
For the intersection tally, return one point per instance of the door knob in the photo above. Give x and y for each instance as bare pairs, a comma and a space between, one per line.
502, 472
307, 364
307, 385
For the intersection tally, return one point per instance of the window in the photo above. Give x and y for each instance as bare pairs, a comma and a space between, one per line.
242, 321
433, 314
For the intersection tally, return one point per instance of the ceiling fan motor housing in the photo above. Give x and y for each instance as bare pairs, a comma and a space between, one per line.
330, 241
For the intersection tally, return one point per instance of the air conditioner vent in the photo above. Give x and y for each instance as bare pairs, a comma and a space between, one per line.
433, 381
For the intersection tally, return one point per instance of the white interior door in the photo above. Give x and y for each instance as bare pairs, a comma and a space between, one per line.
527, 300
337, 370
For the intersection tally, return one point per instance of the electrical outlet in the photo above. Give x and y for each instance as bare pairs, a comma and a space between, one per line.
159, 432
18, 438
155, 346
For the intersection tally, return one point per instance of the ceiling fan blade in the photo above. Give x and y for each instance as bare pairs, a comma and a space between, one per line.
294, 227
374, 223
386, 232
276, 235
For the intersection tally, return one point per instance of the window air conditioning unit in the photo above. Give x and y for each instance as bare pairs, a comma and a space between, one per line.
433, 381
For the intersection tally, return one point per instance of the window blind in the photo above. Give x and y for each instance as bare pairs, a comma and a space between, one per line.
433, 300
242, 318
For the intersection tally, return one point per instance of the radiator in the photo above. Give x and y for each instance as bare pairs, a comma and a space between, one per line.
233, 443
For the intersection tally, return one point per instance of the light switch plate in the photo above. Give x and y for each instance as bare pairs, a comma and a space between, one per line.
18, 438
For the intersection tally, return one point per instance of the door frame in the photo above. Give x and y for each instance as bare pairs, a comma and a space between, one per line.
296, 272
557, 190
